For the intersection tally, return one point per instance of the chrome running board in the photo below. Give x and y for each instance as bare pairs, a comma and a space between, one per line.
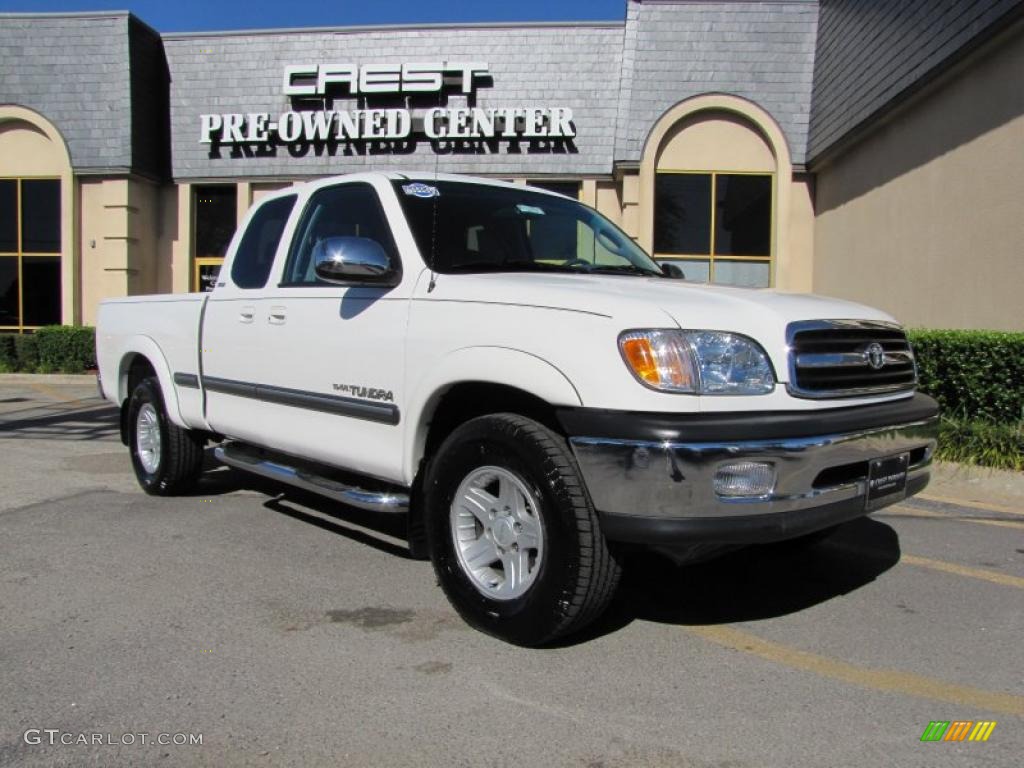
242, 457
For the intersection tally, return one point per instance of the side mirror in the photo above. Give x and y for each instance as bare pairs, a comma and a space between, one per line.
673, 270
353, 261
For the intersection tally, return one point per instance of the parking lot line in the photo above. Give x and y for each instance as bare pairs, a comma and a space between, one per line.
887, 680
972, 504
962, 570
939, 565
902, 511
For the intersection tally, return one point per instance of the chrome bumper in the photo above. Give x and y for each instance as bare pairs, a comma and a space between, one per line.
674, 480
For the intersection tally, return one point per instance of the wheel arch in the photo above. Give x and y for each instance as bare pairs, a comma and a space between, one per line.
140, 356
474, 382
494, 379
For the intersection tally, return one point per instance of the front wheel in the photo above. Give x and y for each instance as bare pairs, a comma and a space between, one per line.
514, 539
166, 458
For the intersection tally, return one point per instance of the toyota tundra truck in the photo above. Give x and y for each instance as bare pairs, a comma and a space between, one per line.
508, 370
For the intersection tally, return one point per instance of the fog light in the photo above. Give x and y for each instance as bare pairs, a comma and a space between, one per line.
752, 479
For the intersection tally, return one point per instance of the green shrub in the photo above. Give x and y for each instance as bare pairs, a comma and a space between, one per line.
8, 359
979, 442
66, 348
975, 375
26, 350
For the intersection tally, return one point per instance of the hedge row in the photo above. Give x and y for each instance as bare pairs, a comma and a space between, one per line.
982, 443
52, 349
976, 375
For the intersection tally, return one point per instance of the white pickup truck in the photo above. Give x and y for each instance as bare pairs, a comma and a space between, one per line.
514, 374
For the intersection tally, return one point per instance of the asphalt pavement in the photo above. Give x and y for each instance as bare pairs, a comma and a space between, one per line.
280, 629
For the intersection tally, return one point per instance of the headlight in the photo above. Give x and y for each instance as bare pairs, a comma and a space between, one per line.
697, 362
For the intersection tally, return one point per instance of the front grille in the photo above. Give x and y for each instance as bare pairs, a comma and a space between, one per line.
844, 358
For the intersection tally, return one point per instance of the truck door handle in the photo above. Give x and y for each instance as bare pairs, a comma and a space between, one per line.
246, 314
278, 315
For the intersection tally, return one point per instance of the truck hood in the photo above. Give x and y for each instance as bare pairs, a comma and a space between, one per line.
640, 302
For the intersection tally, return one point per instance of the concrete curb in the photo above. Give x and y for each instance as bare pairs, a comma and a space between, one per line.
47, 378
969, 483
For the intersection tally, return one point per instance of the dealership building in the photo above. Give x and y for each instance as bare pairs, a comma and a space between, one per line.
870, 151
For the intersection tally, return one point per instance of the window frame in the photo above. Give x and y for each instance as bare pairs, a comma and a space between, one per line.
19, 253
206, 261
301, 221
712, 257
292, 197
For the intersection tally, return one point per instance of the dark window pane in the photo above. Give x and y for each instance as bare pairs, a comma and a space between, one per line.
41, 302
8, 215
682, 213
9, 290
554, 238
255, 256
743, 217
346, 210
567, 188
216, 219
40, 216
208, 274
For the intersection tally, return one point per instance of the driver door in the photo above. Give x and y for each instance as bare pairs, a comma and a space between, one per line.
334, 356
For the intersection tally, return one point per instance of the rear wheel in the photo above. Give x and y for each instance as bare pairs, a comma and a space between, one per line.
166, 458
513, 536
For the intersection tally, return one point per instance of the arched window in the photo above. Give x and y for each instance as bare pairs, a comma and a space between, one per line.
33, 236
711, 173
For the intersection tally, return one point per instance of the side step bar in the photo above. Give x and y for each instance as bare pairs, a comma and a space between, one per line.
247, 459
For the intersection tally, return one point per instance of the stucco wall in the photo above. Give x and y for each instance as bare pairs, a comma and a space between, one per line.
925, 217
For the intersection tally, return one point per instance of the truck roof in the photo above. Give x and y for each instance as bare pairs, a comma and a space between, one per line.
401, 176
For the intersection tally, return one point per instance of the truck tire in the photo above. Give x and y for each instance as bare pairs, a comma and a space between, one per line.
513, 536
166, 458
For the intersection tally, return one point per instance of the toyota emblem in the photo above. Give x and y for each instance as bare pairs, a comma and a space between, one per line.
874, 355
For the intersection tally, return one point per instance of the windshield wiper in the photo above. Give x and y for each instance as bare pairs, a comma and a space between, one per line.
512, 266
624, 269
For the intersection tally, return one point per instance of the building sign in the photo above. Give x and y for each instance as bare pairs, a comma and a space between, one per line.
310, 85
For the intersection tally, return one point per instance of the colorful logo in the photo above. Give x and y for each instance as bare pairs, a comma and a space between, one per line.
958, 730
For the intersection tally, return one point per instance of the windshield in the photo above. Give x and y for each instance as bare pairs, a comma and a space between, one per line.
463, 227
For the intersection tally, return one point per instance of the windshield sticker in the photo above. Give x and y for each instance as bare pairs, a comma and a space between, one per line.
421, 190
530, 210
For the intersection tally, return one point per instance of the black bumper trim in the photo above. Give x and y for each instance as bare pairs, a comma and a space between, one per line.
746, 529
752, 425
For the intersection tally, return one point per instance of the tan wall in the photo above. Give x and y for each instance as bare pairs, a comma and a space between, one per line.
794, 264
714, 141
120, 240
925, 217
608, 200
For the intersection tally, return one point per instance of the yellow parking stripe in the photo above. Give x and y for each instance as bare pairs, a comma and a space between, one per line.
902, 511
937, 565
962, 570
878, 679
972, 504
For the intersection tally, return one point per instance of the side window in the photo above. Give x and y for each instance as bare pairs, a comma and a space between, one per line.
255, 257
346, 210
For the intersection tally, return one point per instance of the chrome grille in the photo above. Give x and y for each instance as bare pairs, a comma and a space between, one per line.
845, 358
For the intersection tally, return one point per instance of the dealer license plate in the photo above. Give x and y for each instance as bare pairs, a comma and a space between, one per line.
887, 480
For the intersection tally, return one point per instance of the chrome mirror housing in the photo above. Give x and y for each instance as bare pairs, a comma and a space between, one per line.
353, 261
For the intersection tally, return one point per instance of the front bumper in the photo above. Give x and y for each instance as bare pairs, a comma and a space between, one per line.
658, 488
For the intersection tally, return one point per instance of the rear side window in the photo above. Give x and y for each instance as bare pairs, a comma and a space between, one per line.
346, 210
255, 256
